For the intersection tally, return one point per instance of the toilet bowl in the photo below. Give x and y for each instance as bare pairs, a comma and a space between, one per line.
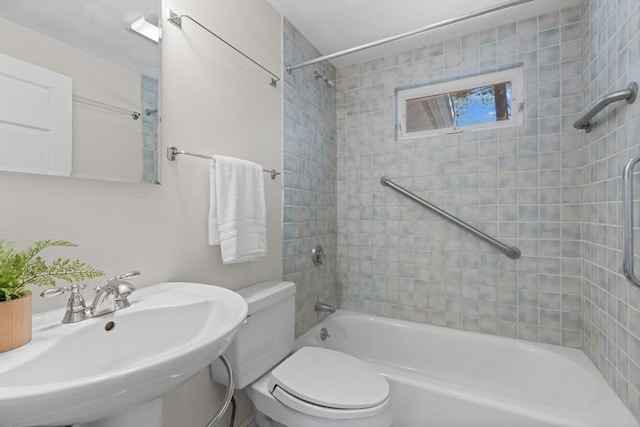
312, 387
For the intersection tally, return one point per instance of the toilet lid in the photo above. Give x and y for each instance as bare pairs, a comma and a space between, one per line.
331, 379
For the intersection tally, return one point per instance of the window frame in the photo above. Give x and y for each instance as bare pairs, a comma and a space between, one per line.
514, 75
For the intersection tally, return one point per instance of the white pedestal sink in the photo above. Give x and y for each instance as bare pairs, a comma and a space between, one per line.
112, 370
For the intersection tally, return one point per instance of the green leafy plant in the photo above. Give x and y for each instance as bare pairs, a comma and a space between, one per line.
19, 268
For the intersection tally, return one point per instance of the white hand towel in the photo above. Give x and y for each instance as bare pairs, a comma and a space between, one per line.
237, 209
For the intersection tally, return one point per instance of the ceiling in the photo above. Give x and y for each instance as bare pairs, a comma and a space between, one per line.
335, 25
330, 25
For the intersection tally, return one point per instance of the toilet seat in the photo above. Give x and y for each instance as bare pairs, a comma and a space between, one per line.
329, 384
323, 412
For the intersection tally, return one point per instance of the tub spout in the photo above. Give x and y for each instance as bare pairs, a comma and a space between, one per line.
325, 308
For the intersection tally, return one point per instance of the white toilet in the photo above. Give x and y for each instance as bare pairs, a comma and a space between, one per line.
313, 387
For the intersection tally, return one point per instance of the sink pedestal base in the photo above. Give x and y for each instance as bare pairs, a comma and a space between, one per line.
148, 415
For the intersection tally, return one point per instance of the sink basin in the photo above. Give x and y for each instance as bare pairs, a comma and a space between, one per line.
93, 369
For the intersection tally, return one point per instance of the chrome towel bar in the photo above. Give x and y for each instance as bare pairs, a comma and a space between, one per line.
176, 20
172, 154
629, 94
135, 115
510, 251
627, 220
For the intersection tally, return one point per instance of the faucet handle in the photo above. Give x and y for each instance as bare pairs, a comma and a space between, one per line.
77, 286
125, 276
53, 292
56, 291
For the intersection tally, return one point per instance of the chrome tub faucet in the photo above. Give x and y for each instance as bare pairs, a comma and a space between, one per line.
322, 307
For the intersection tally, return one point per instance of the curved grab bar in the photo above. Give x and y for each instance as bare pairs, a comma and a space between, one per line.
627, 220
227, 396
510, 251
629, 94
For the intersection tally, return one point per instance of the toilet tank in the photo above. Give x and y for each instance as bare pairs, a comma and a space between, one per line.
267, 336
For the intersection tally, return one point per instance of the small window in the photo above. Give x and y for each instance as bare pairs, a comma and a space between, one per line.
478, 102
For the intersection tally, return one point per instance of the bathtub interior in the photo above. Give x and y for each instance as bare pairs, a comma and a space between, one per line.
471, 378
505, 367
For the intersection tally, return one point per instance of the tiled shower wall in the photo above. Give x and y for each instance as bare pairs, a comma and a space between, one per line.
611, 303
522, 185
309, 179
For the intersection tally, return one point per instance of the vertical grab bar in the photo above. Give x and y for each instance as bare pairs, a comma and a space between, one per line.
627, 220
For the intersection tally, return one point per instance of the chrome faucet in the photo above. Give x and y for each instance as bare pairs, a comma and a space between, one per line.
113, 295
109, 298
325, 308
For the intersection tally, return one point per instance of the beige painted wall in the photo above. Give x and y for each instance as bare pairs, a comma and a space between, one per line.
214, 102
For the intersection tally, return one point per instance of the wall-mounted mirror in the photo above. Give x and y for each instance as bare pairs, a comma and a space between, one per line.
477, 102
108, 73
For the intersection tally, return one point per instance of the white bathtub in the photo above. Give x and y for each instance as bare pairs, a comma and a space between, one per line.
442, 377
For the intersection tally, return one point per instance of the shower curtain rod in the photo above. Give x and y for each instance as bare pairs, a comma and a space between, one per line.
430, 27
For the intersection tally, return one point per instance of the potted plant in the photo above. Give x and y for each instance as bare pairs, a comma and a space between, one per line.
19, 268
